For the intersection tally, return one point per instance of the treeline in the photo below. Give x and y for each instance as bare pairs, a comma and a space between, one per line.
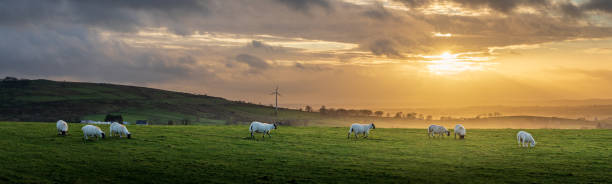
341, 112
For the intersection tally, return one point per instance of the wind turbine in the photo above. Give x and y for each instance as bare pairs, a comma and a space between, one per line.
276, 94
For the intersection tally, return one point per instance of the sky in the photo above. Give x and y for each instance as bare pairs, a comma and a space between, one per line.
342, 53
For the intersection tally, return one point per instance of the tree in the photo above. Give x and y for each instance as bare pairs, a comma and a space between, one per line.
365, 112
323, 110
308, 108
398, 115
429, 117
379, 113
388, 115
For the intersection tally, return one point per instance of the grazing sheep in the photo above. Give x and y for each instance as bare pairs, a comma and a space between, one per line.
259, 127
361, 129
116, 128
91, 130
459, 129
62, 127
524, 139
437, 129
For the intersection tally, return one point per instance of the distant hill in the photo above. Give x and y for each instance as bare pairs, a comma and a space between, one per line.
49, 101
46, 100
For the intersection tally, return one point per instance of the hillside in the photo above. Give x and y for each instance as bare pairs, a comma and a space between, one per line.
45, 100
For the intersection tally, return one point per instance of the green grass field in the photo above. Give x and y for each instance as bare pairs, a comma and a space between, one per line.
33, 153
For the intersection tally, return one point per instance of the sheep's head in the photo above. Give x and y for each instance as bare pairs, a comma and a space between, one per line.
129, 136
373, 126
447, 133
103, 135
63, 132
275, 126
533, 144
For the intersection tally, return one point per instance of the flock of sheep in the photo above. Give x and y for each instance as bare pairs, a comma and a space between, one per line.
95, 131
523, 138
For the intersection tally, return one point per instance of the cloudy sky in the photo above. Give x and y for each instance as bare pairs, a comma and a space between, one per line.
367, 53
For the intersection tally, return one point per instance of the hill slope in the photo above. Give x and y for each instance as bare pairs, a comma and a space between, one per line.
45, 100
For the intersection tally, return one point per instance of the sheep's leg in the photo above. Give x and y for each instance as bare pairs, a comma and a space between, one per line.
356, 137
263, 136
348, 136
269, 135
252, 136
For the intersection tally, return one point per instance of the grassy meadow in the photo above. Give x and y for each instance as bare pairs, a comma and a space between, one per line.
33, 153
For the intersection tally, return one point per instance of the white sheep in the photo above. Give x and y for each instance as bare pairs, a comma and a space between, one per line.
437, 129
361, 129
259, 127
459, 129
116, 128
62, 127
525, 139
91, 130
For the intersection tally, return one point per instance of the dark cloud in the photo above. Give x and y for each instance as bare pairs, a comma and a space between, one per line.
504, 6
598, 5
571, 10
305, 5
257, 44
74, 53
253, 61
307, 67
114, 15
378, 13
384, 47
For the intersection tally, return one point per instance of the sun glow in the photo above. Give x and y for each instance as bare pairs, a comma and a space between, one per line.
436, 34
449, 64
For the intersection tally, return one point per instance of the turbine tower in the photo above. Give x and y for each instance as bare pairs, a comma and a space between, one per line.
276, 94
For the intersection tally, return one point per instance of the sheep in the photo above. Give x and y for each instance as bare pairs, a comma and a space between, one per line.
360, 129
525, 139
459, 129
91, 130
437, 129
62, 127
116, 128
259, 127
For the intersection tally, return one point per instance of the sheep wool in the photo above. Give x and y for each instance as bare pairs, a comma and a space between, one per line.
121, 130
93, 131
62, 127
437, 129
259, 127
459, 130
360, 129
525, 139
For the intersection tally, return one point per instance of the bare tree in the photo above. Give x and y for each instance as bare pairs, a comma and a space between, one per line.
379, 113
308, 108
